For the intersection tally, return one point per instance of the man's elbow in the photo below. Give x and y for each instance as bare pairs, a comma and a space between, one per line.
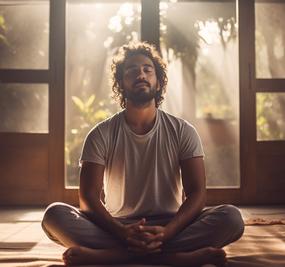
87, 200
199, 197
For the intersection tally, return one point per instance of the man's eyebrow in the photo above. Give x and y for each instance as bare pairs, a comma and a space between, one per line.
134, 66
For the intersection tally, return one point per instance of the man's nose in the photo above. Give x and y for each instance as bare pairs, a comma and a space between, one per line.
141, 74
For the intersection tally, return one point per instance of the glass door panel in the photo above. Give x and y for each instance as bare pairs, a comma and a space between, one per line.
94, 31
24, 35
200, 42
24, 108
270, 39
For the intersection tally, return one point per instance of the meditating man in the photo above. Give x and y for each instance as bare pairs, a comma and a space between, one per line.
142, 182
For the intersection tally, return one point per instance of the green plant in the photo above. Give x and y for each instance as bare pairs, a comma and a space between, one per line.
3, 29
270, 114
87, 114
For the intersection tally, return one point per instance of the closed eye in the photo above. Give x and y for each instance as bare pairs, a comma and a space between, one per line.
148, 69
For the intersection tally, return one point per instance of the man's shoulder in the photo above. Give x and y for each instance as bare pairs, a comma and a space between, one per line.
111, 120
108, 124
174, 120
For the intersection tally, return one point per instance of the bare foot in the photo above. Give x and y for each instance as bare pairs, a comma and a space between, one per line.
77, 255
83, 255
209, 255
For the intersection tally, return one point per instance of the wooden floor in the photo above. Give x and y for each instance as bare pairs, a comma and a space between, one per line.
23, 243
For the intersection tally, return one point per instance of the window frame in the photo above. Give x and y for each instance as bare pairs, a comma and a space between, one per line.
150, 10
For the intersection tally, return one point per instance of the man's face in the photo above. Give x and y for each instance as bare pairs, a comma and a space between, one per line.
139, 80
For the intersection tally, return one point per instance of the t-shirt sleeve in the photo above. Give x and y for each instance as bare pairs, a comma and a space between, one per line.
94, 147
190, 143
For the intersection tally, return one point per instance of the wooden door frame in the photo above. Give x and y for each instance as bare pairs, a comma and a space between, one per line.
245, 194
57, 57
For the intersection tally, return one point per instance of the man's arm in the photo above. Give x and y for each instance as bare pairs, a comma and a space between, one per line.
193, 180
194, 185
90, 189
91, 184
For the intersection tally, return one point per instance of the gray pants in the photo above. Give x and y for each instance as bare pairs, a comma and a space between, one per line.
216, 227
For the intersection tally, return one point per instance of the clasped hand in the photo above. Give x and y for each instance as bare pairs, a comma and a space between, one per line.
143, 239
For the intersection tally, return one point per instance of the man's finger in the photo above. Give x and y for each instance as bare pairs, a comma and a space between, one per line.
137, 224
136, 242
158, 237
141, 221
154, 245
148, 237
150, 229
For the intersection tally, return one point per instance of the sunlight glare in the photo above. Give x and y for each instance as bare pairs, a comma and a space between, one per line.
278, 49
125, 14
163, 28
115, 24
89, 31
205, 51
209, 31
31, 215
74, 131
126, 10
163, 6
129, 20
108, 42
98, 6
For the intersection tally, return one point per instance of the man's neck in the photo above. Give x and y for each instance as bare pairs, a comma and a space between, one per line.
140, 118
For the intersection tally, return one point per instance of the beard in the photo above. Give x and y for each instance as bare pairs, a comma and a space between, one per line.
140, 97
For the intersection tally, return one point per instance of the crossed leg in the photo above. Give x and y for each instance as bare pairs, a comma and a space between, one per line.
199, 243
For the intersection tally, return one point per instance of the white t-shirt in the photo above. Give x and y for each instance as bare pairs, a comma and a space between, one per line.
142, 172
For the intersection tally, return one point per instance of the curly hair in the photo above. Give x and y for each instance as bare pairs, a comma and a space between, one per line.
118, 63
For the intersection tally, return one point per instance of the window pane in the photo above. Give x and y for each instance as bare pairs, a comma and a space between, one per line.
199, 40
269, 40
24, 34
270, 116
24, 108
95, 30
